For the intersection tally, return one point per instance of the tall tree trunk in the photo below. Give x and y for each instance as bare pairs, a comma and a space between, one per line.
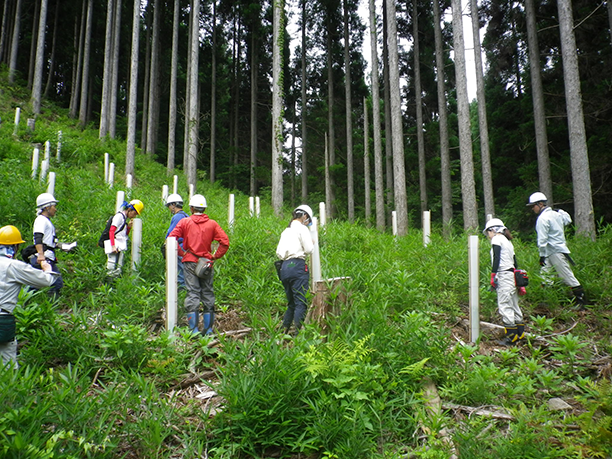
447, 194
581, 176
133, 94
293, 162
388, 124
173, 91
419, 107
609, 5
15, 43
537, 94
192, 173
378, 160
76, 82
468, 187
349, 115
40, 58
187, 91
112, 122
85, 78
213, 95
304, 155
147, 80
153, 112
238, 76
254, 77
52, 57
366, 164
330, 193
106, 72
4, 29
33, 44
399, 171
278, 26
485, 156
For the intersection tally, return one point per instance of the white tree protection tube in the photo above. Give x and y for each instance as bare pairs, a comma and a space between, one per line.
473, 272
426, 228
136, 234
315, 258
171, 282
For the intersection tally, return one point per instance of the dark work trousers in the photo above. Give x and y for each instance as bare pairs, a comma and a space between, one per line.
296, 278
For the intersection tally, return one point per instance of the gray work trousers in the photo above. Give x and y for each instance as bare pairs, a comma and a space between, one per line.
199, 290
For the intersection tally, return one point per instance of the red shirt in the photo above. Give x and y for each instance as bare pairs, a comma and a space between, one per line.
198, 233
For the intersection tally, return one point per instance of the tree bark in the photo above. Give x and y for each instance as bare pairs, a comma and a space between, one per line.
15, 43
40, 57
33, 43
173, 91
447, 194
213, 95
485, 156
277, 100
153, 112
378, 159
147, 79
366, 164
388, 124
112, 121
468, 188
419, 107
304, 155
350, 188
52, 56
4, 29
83, 106
192, 173
133, 92
106, 72
537, 94
330, 190
581, 176
254, 78
76, 84
399, 171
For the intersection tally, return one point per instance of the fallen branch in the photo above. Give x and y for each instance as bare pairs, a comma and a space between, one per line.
194, 379
498, 414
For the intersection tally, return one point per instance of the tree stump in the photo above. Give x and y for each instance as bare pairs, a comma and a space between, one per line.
329, 295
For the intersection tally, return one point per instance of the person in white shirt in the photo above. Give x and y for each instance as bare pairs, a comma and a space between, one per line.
45, 239
503, 263
295, 245
554, 253
13, 275
118, 237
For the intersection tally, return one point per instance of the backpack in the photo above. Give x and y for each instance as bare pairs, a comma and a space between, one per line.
105, 236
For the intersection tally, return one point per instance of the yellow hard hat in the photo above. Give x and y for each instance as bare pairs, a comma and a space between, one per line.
10, 235
137, 205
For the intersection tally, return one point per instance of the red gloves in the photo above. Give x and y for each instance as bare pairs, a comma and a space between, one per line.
494, 280
522, 291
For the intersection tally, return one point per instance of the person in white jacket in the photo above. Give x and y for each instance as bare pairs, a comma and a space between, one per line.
13, 275
294, 246
554, 253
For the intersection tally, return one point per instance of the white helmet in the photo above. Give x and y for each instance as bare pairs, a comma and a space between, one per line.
537, 197
197, 200
493, 223
45, 200
305, 208
174, 199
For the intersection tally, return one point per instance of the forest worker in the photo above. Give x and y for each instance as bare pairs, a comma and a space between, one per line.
45, 240
503, 263
13, 275
198, 232
118, 236
294, 246
174, 203
554, 253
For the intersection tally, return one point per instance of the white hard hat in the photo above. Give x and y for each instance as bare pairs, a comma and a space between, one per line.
174, 199
493, 223
44, 200
536, 197
305, 208
197, 200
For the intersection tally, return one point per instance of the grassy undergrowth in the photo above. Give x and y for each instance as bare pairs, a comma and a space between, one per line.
100, 378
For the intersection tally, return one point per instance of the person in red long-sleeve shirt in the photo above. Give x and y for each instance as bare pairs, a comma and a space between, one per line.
198, 232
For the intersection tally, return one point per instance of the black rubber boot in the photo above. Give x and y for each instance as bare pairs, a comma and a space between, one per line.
580, 298
510, 336
520, 332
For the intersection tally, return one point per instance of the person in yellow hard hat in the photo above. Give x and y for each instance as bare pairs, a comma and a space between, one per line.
118, 236
13, 275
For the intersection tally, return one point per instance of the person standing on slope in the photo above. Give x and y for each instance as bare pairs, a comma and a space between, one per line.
294, 246
174, 203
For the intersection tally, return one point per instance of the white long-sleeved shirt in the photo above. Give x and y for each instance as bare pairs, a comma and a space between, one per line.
550, 227
295, 242
14, 274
